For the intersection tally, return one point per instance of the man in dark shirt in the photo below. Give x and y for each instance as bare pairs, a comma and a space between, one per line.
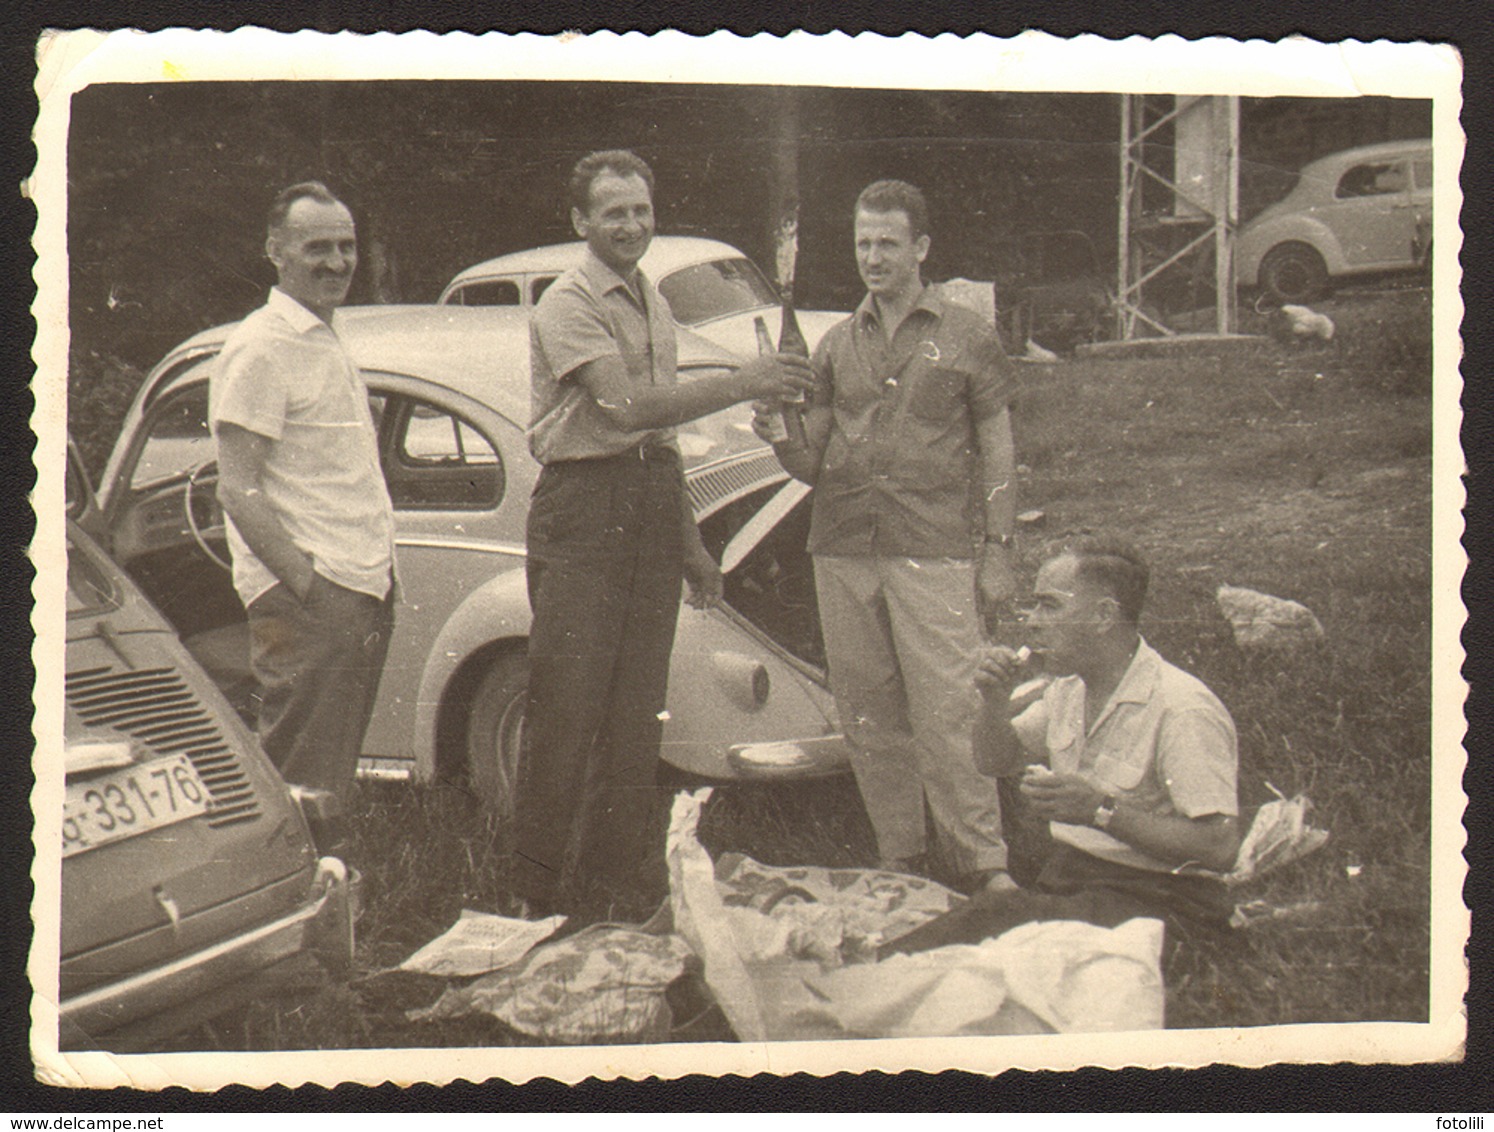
610, 536
908, 446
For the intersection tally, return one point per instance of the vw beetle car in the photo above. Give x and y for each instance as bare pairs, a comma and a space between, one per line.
190, 877
712, 288
1362, 211
449, 387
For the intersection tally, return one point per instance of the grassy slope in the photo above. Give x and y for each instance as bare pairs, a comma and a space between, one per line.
1302, 473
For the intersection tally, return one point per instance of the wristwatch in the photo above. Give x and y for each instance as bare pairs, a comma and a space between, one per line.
1104, 812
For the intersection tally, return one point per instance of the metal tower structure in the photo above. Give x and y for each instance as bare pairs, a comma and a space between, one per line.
1179, 206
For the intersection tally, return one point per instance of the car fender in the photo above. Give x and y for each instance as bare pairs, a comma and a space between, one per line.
1255, 242
495, 611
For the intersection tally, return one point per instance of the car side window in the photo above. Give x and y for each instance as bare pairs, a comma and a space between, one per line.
435, 460
490, 293
1373, 179
540, 286
177, 438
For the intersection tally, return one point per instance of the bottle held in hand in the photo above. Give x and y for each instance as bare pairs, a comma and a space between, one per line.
791, 340
777, 430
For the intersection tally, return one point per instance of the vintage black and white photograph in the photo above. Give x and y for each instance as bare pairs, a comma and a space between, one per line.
552, 566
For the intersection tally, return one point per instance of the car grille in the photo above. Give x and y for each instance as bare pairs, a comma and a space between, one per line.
155, 706
716, 484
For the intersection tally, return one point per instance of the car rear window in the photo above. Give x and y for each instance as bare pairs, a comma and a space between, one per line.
1373, 179
492, 293
716, 289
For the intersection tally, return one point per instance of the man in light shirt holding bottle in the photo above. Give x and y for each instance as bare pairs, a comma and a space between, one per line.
611, 536
907, 442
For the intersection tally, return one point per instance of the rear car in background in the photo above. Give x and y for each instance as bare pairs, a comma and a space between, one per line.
1363, 211
712, 288
190, 877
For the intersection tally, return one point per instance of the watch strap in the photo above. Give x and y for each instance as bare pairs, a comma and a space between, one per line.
1104, 812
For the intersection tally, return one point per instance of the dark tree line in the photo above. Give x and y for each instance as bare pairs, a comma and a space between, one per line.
169, 182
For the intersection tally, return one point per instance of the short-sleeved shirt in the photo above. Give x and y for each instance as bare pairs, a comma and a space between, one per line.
1163, 744
901, 471
589, 313
285, 375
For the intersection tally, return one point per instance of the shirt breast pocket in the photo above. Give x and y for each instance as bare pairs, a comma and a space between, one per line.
939, 394
1119, 772
1064, 747
1128, 744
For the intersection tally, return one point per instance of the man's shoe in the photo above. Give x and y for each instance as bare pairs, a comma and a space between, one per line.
990, 882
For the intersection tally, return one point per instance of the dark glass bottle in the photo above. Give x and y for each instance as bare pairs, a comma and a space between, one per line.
777, 430
791, 340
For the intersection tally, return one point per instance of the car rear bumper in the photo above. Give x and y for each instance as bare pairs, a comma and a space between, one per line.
790, 758
188, 988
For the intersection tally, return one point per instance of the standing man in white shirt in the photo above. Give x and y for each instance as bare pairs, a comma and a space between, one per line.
310, 524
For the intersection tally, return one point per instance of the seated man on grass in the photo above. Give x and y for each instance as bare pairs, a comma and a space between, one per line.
1130, 760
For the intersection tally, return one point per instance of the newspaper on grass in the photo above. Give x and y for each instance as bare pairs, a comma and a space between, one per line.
480, 942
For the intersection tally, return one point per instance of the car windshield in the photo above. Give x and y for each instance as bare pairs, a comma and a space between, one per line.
714, 290
178, 438
88, 587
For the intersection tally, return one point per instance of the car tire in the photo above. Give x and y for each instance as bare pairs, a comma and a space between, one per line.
494, 728
1293, 273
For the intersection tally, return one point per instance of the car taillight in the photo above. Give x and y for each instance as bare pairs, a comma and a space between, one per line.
90, 756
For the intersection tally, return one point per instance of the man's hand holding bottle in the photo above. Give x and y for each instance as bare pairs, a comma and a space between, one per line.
775, 377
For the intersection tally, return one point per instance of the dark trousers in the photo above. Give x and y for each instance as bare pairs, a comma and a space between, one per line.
318, 663
1075, 886
604, 573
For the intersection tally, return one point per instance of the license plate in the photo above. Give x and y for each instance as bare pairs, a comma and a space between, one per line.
130, 802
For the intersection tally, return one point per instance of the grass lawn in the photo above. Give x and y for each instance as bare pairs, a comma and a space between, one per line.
1305, 473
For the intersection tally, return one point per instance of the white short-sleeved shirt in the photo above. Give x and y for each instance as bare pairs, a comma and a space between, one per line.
589, 313
285, 375
1163, 744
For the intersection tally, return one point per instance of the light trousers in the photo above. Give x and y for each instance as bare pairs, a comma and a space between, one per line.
902, 637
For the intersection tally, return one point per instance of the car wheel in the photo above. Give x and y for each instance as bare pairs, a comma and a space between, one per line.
1294, 273
495, 726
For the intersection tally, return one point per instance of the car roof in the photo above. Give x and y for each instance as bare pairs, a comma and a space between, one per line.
665, 255
1377, 152
482, 352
